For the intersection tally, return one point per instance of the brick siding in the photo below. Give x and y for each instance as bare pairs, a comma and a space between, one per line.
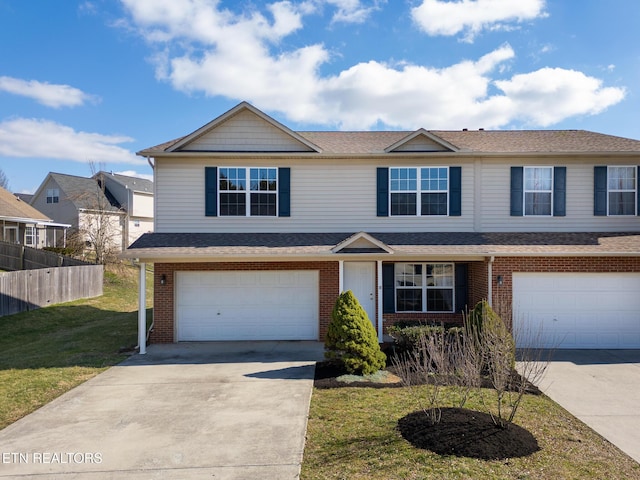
163, 303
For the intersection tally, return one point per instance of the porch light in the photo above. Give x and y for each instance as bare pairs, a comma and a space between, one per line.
163, 279
499, 279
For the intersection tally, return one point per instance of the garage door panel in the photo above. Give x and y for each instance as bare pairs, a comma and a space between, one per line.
247, 305
599, 310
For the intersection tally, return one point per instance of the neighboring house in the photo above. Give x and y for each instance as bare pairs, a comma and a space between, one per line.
93, 212
135, 197
258, 228
23, 224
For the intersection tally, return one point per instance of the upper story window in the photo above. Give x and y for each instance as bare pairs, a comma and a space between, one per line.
258, 197
538, 191
622, 187
53, 195
419, 191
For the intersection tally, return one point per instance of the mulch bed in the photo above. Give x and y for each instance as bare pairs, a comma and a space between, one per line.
467, 433
460, 432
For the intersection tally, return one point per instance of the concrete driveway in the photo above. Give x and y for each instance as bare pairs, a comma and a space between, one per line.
199, 410
601, 388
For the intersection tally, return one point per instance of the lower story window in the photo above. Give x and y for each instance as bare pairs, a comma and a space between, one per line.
424, 287
30, 236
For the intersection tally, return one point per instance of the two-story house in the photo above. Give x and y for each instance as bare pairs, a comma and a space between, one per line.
258, 229
135, 197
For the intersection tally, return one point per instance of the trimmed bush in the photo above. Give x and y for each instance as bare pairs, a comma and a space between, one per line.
408, 338
351, 338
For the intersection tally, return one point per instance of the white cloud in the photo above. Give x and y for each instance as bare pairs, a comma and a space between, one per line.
133, 173
549, 94
352, 11
199, 48
48, 94
438, 17
38, 138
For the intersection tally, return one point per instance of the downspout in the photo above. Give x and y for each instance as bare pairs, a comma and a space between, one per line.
490, 285
379, 309
142, 310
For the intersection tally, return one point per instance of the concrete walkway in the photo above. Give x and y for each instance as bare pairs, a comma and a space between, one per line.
206, 410
601, 388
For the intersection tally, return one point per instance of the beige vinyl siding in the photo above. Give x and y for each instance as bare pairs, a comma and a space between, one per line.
494, 210
249, 133
326, 195
62, 212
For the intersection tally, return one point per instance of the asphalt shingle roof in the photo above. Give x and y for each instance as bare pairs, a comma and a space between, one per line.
84, 192
474, 141
423, 243
132, 183
13, 207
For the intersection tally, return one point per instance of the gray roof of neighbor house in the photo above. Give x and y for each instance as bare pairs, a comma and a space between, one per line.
85, 193
13, 207
462, 244
132, 183
469, 141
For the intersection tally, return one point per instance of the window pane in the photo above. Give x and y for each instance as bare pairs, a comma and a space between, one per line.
622, 178
440, 275
263, 204
409, 300
233, 179
233, 204
537, 203
538, 178
440, 300
622, 203
403, 204
408, 274
403, 179
434, 204
434, 179
263, 179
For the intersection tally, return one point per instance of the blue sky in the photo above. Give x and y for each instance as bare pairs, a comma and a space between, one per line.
96, 81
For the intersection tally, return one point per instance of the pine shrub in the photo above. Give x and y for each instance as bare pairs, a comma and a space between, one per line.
351, 337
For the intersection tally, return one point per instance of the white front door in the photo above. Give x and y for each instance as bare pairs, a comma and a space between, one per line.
360, 278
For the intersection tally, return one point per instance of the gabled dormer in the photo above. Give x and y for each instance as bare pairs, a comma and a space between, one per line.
244, 128
421, 141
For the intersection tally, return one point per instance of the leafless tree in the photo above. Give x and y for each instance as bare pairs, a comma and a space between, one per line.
4, 180
99, 226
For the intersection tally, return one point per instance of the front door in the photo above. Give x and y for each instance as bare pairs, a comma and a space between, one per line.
360, 278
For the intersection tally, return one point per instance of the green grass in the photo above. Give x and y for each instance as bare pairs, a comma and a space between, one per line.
46, 352
352, 435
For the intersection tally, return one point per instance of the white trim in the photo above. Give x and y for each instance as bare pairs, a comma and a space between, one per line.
525, 191
419, 191
379, 303
340, 276
142, 309
359, 236
635, 190
235, 110
247, 191
421, 132
424, 287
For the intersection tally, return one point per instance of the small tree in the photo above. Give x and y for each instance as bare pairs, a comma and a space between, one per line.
351, 337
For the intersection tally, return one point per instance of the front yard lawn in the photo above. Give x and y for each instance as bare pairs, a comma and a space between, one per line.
46, 352
352, 434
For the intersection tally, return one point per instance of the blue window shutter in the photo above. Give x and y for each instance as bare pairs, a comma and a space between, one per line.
284, 192
388, 288
455, 191
211, 191
600, 191
517, 188
383, 192
638, 191
461, 288
559, 191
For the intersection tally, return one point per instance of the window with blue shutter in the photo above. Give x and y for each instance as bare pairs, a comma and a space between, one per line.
382, 187
538, 191
211, 191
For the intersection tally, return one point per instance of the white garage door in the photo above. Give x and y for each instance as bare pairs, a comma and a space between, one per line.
260, 305
558, 310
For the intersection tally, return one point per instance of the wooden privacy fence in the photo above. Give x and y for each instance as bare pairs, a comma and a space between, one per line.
19, 257
30, 289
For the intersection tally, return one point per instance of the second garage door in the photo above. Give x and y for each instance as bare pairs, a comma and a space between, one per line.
247, 305
577, 310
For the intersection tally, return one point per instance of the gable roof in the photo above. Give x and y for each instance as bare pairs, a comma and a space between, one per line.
253, 121
85, 193
15, 208
384, 142
132, 183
